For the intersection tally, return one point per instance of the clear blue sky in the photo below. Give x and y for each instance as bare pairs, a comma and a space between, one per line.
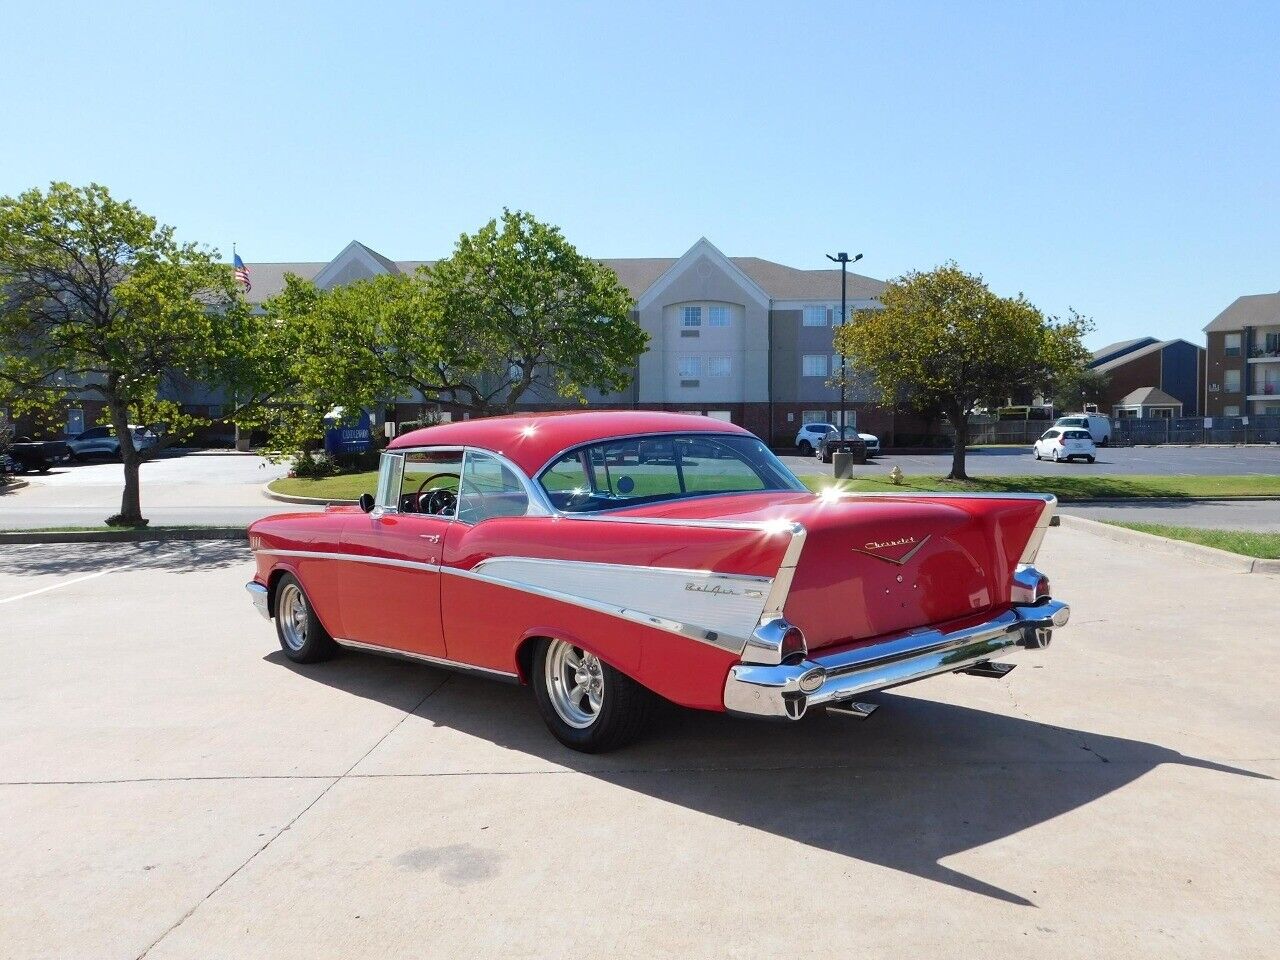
1121, 158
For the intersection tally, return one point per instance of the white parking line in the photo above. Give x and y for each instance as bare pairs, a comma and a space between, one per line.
55, 586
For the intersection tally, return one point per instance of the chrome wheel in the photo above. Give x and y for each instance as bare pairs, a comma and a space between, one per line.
575, 684
292, 615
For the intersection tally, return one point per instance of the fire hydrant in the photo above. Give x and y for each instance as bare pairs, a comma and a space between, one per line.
896, 476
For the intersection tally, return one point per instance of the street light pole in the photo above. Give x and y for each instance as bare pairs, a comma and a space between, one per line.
844, 260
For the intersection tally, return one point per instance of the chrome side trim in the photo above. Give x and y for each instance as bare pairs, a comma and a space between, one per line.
788, 691
1037, 535
730, 642
765, 643
352, 558
261, 600
721, 604
723, 641
424, 658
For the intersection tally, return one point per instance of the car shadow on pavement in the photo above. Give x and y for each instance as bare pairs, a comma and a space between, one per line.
918, 782
171, 556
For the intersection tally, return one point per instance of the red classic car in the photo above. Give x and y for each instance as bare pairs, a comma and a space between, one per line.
604, 557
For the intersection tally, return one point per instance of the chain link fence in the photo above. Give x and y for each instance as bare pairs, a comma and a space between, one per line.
1144, 430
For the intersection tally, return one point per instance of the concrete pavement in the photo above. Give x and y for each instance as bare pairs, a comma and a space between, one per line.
174, 788
1258, 515
223, 489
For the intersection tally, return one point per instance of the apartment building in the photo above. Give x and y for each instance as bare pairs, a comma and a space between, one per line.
740, 338
1173, 368
1243, 360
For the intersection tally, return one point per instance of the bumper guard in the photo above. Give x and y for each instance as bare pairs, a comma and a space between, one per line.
786, 691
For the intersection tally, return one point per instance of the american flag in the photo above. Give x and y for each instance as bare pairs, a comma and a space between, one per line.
242, 273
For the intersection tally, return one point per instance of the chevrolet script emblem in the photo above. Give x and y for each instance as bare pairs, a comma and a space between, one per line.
878, 548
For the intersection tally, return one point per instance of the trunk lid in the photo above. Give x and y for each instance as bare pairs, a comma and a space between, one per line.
873, 565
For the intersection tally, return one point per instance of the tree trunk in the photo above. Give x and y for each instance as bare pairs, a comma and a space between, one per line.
130, 514
960, 424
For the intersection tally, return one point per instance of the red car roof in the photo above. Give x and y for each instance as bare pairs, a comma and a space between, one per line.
531, 439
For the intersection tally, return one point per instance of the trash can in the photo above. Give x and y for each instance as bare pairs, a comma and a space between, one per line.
844, 464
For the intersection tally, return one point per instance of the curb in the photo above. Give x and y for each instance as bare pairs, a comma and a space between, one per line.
15, 484
125, 536
1192, 551
290, 498
1166, 501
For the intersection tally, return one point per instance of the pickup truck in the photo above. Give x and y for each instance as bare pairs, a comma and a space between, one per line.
38, 455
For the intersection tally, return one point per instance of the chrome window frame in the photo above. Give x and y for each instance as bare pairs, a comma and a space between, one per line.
555, 458
538, 505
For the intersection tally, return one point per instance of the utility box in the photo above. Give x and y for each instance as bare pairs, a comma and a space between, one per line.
846, 453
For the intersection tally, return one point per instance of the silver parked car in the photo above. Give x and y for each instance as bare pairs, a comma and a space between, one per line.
103, 442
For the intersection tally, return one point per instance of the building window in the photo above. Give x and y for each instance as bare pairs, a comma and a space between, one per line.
1231, 410
813, 365
1272, 344
813, 416
718, 317
1231, 381
836, 364
691, 317
690, 367
1231, 345
719, 367
815, 316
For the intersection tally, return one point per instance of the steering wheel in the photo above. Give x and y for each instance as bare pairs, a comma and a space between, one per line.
440, 503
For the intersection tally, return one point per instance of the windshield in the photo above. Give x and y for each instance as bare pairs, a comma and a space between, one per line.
615, 473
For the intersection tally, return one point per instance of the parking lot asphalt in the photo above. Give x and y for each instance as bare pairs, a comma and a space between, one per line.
1112, 461
173, 787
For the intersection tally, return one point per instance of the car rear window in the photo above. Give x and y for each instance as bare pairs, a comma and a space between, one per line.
1077, 434
616, 473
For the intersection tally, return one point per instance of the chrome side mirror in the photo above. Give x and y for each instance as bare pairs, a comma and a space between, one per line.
367, 502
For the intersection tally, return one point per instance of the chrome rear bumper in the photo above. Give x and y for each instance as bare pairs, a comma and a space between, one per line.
260, 599
786, 691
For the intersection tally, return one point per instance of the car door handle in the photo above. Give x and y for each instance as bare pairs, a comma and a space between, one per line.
430, 537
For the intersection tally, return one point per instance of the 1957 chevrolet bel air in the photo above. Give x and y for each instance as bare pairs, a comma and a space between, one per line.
604, 557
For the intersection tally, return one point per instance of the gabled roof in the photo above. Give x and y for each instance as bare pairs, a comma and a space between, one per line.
1113, 350
1149, 397
637, 274
1140, 352
1249, 311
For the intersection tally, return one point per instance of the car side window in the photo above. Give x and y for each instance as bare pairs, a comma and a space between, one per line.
1049, 434
389, 473
489, 489
429, 482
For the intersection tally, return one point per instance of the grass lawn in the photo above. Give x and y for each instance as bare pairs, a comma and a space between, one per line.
1265, 546
347, 486
1070, 488
350, 486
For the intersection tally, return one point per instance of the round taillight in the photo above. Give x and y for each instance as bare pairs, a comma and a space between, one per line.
794, 649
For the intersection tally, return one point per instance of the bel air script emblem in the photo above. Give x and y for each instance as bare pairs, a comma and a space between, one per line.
718, 591
878, 548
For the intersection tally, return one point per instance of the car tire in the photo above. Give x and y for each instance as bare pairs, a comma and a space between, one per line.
1035, 453
1088, 459
805, 448
617, 715
303, 637
1056, 458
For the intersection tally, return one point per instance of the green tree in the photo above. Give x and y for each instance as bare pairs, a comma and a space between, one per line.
1078, 386
953, 345
513, 308
98, 298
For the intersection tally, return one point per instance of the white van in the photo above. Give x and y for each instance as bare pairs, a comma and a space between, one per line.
1099, 427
